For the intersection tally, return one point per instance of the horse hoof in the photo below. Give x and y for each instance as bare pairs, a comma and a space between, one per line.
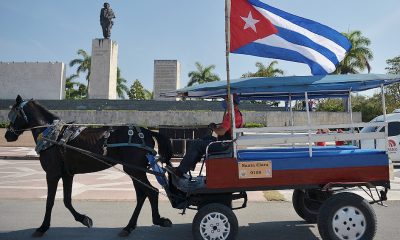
37, 234
163, 222
124, 233
87, 221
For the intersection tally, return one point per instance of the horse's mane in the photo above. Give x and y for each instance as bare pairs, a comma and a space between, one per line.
44, 111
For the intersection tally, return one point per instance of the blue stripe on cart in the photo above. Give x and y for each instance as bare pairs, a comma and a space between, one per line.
285, 159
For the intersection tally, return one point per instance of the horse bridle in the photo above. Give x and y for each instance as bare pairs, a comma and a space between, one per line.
12, 116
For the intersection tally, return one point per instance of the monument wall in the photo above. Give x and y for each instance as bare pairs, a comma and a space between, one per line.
167, 75
32, 80
178, 113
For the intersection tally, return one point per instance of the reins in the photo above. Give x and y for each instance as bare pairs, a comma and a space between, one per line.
101, 157
105, 160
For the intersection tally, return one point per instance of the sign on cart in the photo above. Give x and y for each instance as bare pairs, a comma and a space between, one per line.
255, 169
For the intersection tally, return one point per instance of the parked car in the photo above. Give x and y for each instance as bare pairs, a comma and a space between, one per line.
393, 135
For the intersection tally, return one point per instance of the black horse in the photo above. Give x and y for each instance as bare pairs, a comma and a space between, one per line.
60, 162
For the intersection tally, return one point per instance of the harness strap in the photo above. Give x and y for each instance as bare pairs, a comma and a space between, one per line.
141, 145
103, 158
106, 136
130, 134
141, 135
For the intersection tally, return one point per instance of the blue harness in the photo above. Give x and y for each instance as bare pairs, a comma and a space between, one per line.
162, 180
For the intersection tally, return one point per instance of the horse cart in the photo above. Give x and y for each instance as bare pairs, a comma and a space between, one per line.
284, 158
256, 159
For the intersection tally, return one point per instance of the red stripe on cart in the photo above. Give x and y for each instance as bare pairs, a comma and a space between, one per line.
223, 174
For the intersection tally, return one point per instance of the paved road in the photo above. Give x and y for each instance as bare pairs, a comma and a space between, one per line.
109, 199
259, 221
21, 179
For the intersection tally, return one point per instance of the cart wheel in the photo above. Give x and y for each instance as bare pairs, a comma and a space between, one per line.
307, 203
346, 216
215, 221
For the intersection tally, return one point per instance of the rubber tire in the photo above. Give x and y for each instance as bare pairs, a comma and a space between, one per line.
338, 201
219, 208
303, 209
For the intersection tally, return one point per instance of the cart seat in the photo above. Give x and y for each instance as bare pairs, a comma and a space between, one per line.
228, 153
296, 159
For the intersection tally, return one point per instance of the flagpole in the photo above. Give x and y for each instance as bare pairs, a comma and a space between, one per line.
227, 41
228, 78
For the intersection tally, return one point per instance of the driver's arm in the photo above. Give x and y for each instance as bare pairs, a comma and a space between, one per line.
220, 131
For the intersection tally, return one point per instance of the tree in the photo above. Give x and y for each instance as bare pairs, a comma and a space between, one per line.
202, 75
263, 71
83, 64
148, 94
71, 92
394, 65
121, 87
369, 107
330, 105
393, 91
137, 91
357, 59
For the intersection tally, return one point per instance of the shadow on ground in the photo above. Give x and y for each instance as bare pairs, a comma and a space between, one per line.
255, 231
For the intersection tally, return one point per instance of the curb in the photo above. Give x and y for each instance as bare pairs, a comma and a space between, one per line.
19, 158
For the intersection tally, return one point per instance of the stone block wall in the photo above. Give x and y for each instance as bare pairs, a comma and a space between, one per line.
32, 80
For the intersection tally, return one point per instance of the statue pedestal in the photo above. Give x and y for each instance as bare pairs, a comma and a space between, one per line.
103, 69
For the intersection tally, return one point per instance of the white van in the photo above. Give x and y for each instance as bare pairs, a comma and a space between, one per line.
393, 135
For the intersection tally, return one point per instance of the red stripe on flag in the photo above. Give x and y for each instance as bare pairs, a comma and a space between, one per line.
247, 24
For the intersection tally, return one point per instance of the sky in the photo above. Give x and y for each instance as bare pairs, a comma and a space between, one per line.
184, 30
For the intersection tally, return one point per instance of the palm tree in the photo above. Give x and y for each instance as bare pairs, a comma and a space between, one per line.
121, 87
357, 59
263, 71
69, 86
202, 75
148, 95
83, 64
71, 92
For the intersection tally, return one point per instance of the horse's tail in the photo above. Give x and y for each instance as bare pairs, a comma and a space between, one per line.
164, 147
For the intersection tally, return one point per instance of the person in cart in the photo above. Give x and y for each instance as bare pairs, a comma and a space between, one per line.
223, 132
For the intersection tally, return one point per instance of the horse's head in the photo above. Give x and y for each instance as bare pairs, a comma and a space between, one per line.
18, 120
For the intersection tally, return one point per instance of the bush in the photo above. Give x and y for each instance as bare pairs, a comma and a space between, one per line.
3, 124
254, 125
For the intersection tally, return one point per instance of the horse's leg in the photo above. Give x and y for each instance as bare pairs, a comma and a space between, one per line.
52, 182
67, 184
149, 191
140, 198
153, 198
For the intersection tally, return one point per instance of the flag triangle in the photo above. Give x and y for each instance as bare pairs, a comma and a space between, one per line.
247, 24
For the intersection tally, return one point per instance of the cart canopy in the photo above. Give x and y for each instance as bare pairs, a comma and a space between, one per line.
294, 87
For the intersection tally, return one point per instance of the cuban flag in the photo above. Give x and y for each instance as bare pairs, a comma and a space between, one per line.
261, 30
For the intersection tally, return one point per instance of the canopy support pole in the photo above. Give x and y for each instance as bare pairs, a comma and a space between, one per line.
350, 106
291, 116
309, 125
384, 116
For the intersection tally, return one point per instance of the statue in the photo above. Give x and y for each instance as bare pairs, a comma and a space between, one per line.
106, 16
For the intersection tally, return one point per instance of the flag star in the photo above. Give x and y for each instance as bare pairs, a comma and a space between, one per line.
250, 22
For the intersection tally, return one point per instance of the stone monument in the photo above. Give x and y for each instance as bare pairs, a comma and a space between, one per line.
38, 80
167, 77
104, 62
